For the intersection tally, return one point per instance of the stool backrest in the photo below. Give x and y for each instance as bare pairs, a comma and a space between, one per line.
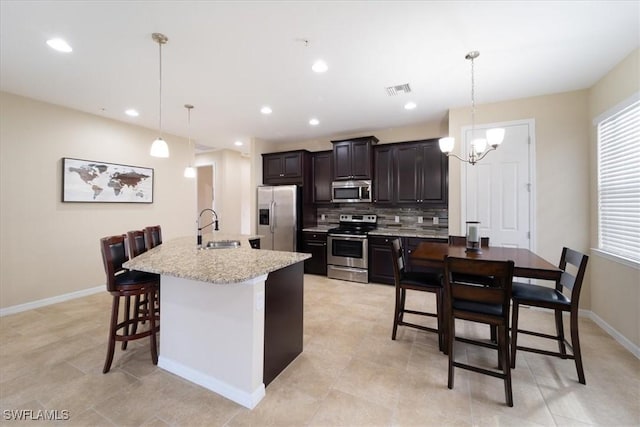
568, 280
397, 253
114, 254
152, 236
136, 243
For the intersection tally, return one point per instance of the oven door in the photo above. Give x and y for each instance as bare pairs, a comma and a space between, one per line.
347, 251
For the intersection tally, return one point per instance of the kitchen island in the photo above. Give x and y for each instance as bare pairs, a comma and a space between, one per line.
231, 319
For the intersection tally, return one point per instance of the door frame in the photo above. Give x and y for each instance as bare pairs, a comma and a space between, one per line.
531, 123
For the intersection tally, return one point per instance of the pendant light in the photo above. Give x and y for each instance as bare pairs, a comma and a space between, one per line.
189, 171
159, 148
479, 148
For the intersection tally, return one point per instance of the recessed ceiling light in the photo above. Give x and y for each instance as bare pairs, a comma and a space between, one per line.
266, 110
319, 66
132, 113
238, 143
314, 122
59, 45
410, 105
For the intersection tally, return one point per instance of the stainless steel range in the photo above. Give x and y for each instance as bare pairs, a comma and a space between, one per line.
347, 248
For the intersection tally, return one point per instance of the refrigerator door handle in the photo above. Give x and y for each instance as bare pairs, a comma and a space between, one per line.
272, 217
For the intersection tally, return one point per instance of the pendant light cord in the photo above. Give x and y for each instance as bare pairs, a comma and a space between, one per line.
160, 103
473, 101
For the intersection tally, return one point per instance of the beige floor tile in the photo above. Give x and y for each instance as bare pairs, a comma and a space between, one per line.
343, 409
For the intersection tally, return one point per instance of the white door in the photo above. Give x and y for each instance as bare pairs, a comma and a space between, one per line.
498, 190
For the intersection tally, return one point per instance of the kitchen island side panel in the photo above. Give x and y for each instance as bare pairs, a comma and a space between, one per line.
283, 325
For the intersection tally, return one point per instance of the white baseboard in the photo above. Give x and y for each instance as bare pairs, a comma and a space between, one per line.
244, 398
624, 341
48, 301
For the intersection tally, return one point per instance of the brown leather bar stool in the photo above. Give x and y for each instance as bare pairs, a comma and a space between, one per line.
420, 282
123, 283
152, 236
471, 299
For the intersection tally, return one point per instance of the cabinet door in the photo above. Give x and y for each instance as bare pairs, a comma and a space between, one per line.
361, 160
408, 174
292, 165
273, 166
380, 260
321, 163
383, 174
342, 160
316, 245
433, 185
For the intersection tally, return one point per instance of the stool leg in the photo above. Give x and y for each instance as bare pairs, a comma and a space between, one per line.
575, 343
151, 299
112, 334
514, 333
396, 314
451, 337
127, 314
560, 334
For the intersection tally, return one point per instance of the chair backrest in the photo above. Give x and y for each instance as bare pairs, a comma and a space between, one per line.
136, 243
397, 255
462, 241
469, 281
114, 254
152, 236
568, 280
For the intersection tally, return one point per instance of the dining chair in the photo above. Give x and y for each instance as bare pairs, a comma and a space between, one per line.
470, 299
414, 281
462, 241
152, 236
556, 300
123, 283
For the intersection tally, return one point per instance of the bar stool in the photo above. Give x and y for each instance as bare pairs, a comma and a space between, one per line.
152, 236
123, 283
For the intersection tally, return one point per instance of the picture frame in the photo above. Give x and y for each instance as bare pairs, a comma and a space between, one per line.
89, 181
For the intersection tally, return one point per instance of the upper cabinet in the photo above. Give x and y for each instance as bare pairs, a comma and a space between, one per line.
352, 158
284, 168
322, 175
411, 173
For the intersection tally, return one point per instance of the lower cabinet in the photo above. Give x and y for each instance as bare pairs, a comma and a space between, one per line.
410, 244
315, 244
380, 261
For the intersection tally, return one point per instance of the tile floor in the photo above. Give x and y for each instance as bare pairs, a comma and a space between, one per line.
349, 374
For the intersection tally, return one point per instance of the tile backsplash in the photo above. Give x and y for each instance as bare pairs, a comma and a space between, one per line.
408, 218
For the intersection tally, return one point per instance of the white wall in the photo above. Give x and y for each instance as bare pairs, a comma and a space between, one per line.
49, 248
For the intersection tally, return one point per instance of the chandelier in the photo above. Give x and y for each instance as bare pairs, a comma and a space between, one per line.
480, 147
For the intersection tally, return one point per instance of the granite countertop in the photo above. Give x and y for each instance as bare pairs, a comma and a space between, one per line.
320, 228
400, 232
181, 258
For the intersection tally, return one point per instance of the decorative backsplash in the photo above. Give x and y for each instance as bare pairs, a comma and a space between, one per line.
408, 217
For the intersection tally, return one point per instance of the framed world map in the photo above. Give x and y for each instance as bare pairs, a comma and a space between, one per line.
91, 181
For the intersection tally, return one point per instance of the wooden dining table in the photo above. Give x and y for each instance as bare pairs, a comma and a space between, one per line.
526, 263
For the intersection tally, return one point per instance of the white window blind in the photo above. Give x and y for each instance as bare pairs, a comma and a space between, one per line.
619, 183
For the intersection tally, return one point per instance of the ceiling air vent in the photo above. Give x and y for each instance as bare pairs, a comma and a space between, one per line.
394, 90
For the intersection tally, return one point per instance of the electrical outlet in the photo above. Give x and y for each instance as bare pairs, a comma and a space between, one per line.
397, 218
436, 220
322, 217
419, 220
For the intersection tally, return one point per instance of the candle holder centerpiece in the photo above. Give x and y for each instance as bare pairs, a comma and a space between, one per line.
473, 237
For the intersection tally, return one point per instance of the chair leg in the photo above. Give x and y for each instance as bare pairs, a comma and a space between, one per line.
112, 334
440, 320
560, 334
151, 296
403, 299
503, 350
514, 333
396, 315
493, 334
451, 334
575, 343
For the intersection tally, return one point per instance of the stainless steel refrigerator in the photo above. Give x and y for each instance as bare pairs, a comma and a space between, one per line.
278, 217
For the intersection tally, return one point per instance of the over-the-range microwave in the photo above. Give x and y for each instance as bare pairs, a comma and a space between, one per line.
351, 191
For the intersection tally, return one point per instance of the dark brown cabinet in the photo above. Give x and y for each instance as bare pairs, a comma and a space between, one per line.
322, 175
383, 174
380, 261
410, 173
315, 244
352, 158
284, 168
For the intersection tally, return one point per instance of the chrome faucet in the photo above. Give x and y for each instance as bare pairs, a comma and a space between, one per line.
214, 222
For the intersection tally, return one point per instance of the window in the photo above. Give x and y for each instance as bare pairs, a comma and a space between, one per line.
619, 182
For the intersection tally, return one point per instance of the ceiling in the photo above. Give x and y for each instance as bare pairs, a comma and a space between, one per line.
229, 59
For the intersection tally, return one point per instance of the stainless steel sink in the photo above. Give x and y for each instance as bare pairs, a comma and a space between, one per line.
222, 244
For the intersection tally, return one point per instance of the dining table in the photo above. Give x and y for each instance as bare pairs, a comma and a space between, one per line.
526, 263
